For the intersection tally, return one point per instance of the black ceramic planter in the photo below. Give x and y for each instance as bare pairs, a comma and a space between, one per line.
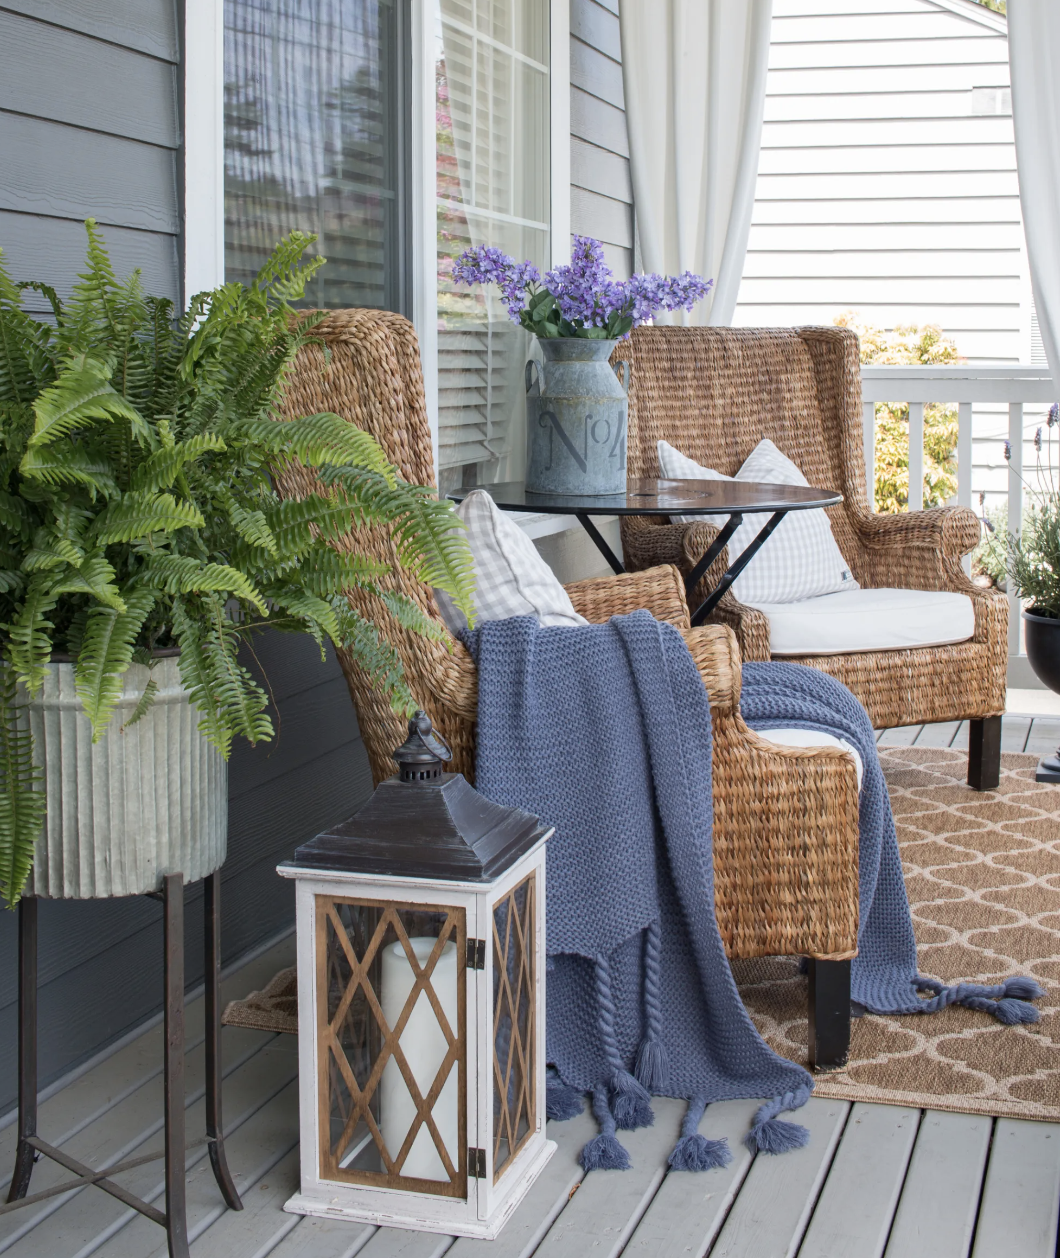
1042, 635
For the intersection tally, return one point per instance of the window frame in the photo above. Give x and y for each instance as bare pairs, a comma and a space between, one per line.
202, 165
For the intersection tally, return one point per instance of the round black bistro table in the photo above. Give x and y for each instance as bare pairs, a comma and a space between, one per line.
732, 498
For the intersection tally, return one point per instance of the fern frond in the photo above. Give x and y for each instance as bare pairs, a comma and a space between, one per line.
365, 646
161, 469
181, 574
29, 644
143, 704
105, 655
139, 514
196, 675
82, 393
22, 802
432, 544
328, 572
252, 527
93, 576
15, 517
317, 440
51, 551
68, 463
314, 611
409, 615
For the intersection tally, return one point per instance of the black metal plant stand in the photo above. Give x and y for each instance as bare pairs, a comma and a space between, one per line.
31, 1147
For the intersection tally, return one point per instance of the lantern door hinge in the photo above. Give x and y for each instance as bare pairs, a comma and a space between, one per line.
476, 1162
476, 954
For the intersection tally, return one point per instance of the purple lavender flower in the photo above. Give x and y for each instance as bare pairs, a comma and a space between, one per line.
1008, 451
1038, 440
580, 296
1054, 414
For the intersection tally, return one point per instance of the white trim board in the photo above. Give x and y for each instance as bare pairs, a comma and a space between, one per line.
204, 146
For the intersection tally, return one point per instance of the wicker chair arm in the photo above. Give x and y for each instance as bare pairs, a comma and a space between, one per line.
717, 656
785, 846
660, 590
951, 531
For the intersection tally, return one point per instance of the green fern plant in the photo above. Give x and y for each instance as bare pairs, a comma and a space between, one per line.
138, 509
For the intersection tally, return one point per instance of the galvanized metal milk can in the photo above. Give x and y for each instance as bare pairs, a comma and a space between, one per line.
576, 413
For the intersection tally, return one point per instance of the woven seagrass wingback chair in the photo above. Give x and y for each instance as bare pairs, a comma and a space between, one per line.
786, 824
714, 393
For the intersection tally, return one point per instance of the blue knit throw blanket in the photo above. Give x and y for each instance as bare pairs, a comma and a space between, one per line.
604, 731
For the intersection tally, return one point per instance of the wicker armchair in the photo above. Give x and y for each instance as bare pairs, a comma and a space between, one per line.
714, 393
786, 822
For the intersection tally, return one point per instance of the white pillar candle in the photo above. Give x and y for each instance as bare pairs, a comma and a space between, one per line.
424, 1046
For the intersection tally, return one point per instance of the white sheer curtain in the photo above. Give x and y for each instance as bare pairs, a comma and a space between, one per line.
694, 73
1034, 57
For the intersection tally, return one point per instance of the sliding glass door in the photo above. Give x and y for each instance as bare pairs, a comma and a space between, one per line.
316, 126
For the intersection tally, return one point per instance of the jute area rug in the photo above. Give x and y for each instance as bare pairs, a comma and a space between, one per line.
983, 875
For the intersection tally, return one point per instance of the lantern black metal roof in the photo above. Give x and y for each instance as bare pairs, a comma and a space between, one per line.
425, 823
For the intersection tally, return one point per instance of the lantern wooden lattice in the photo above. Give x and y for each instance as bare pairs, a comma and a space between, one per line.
420, 1005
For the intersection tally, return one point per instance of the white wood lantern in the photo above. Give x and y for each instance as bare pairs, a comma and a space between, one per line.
421, 997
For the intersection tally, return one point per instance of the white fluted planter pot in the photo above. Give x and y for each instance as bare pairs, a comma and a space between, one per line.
143, 802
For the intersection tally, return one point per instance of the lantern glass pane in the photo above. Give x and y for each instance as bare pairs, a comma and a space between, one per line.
392, 1044
515, 1033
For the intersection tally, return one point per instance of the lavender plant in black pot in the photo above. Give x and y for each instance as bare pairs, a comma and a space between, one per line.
1034, 570
576, 410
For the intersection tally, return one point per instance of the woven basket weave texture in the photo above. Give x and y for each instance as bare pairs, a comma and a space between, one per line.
786, 823
714, 393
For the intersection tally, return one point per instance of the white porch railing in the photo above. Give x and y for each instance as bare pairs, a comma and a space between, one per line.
1016, 386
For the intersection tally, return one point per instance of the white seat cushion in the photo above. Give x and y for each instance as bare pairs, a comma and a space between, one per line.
800, 560
868, 620
812, 738
511, 578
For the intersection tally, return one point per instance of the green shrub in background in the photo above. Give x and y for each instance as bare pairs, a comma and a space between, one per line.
902, 346
991, 555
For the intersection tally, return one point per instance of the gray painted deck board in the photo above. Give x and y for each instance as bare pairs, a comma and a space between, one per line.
777, 1198
1044, 736
866, 1174
608, 1205
1021, 1196
688, 1210
936, 1215
902, 736
856, 1206
940, 734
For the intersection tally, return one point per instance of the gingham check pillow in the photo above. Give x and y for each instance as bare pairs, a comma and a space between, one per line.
800, 560
511, 578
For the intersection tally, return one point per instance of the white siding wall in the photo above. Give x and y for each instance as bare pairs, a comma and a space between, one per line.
887, 183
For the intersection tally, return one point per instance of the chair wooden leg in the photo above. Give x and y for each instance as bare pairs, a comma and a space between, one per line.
984, 753
829, 1041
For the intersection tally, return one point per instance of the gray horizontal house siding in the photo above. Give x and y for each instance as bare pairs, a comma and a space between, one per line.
601, 196
90, 126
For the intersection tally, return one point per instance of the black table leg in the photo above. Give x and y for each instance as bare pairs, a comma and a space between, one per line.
601, 545
829, 1039
214, 1127
27, 1046
714, 550
173, 1068
734, 570
984, 753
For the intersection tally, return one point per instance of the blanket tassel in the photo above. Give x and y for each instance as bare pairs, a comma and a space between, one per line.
770, 1134
1007, 1001
561, 1100
694, 1152
653, 1064
604, 1152
631, 1104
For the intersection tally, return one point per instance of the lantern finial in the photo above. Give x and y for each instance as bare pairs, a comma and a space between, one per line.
422, 755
